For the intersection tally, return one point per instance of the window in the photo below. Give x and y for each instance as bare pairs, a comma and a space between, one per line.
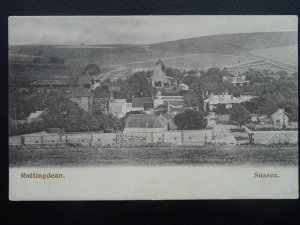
277, 122
175, 138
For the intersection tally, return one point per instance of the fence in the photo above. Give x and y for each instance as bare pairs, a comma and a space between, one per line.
186, 137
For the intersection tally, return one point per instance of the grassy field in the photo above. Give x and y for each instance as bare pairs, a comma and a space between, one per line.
159, 155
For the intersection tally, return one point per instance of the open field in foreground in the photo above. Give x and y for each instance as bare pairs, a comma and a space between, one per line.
159, 155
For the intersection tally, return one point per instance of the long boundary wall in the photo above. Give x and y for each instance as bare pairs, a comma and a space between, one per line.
274, 137
186, 137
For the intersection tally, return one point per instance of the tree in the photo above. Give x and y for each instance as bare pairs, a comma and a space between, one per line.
91, 69
139, 85
190, 120
239, 114
214, 75
189, 79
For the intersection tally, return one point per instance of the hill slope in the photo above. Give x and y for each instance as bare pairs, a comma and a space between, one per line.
228, 43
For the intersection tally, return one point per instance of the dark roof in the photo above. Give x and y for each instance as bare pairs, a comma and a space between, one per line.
78, 92
139, 102
141, 121
100, 92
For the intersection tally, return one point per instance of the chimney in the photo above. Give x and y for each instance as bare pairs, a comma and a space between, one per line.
231, 96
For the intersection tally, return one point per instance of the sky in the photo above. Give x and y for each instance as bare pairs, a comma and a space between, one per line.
91, 30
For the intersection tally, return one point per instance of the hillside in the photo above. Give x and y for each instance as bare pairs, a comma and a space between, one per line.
228, 43
286, 54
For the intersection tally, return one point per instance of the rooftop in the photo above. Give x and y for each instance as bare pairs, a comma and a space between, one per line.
222, 99
78, 92
139, 102
58, 82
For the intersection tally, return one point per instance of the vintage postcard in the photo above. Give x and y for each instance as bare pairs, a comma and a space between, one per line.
153, 107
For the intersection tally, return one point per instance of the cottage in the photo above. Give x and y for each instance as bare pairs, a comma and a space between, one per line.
143, 123
36, 116
278, 120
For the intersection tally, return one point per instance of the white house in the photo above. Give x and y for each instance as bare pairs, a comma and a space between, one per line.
224, 99
36, 116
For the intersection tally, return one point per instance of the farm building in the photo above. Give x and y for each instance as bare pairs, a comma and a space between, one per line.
143, 123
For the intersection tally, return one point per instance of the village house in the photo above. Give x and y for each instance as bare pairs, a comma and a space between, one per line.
221, 99
278, 120
236, 79
36, 116
81, 96
143, 123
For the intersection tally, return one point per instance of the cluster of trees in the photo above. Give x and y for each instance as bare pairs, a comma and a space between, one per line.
190, 120
18, 129
272, 93
63, 113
